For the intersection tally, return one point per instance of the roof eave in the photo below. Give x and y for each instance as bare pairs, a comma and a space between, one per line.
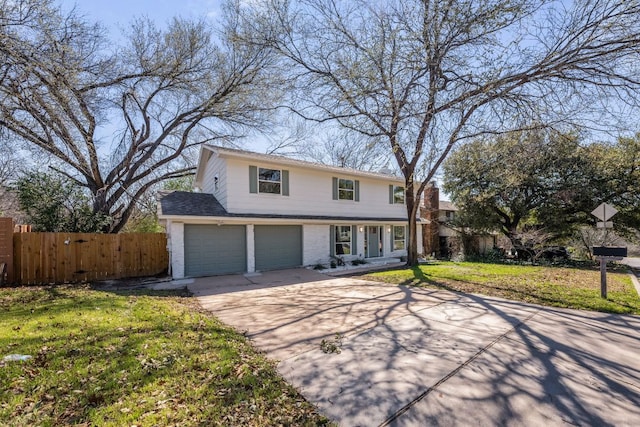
254, 220
203, 159
222, 152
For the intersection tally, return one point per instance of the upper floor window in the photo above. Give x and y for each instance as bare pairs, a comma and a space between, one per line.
346, 189
396, 194
269, 180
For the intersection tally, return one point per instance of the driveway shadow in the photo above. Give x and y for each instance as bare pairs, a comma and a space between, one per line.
220, 285
414, 356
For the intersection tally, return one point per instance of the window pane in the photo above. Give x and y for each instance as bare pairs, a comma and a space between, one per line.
269, 175
343, 249
398, 245
398, 194
343, 233
345, 184
269, 187
345, 194
398, 232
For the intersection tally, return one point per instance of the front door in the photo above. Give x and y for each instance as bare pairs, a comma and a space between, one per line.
373, 242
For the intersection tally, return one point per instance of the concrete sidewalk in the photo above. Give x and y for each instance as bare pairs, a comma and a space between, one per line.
416, 357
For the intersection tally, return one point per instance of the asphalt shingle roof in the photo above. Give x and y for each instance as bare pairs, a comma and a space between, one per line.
185, 203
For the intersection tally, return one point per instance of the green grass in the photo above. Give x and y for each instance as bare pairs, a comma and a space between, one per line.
115, 359
577, 288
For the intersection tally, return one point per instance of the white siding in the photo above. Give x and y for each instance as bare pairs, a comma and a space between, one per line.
386, 242
310, 194
216, 167
315, 244
176, 249
360, 249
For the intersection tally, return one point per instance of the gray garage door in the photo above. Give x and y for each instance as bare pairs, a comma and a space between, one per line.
211, 249
278, 246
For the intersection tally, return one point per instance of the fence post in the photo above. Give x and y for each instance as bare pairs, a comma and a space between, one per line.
6, 248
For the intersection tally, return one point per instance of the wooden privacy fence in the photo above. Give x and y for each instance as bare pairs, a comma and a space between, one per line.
42, 258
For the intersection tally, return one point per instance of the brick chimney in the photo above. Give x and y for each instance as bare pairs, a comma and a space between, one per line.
429, 214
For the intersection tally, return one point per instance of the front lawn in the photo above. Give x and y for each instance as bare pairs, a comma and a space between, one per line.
577, 288
130, 358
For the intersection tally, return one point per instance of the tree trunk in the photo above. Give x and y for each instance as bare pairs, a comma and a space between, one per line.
522, 252
412, 209
102, 210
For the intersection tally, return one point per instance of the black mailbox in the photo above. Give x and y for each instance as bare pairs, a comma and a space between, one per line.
605, 251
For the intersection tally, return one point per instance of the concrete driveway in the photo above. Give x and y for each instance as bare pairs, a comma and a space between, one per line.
416, 357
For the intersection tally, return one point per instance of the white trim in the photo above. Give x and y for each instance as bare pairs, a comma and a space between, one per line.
251, 249
247, 220
176, 233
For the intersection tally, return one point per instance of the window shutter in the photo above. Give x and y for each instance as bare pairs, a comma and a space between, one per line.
335, 188
356, 185
332, 240
354, 240
253, 179
285, 183
391, 194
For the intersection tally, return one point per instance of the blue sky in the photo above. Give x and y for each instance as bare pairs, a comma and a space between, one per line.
116, 14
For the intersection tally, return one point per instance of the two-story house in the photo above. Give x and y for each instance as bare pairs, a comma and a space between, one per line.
256, 212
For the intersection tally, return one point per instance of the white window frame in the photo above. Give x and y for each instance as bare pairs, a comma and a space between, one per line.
338, 239
267, 181
351, 191
403, 240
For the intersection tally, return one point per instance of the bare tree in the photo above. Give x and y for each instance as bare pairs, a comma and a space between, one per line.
119, 119
9, 167
347, 149
425, 75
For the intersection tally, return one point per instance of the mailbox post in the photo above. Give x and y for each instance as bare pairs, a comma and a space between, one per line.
607, 254
604, 212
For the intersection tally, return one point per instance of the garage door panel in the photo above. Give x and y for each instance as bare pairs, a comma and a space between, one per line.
213, 250
278, 246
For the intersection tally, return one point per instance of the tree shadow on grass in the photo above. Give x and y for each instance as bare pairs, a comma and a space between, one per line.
589, 302
138, 360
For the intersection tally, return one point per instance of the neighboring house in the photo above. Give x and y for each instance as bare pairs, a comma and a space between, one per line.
440, 238
258, 212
